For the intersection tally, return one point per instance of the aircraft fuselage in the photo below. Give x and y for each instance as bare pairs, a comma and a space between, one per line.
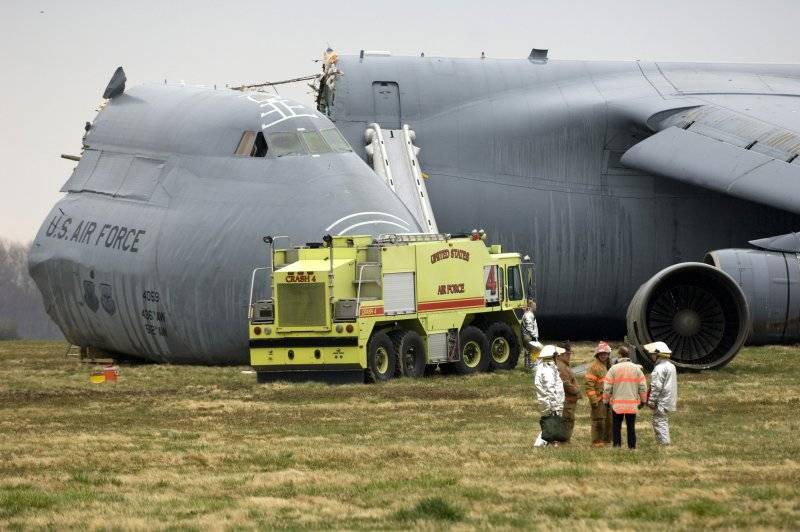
151, 250
530, 152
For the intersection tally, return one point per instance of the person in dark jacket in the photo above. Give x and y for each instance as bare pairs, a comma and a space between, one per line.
572, 391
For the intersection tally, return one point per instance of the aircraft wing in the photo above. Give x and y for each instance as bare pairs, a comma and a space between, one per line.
749, 153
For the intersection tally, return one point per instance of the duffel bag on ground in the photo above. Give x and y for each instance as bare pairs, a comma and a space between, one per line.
554, 428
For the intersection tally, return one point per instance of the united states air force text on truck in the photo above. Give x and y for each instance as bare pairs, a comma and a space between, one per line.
356, 308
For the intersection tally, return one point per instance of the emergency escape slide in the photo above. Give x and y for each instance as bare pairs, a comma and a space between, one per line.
394, 158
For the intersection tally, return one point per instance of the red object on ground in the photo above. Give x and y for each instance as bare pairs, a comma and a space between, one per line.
111, 373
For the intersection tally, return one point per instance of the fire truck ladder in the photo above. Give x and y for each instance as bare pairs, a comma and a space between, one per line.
394, 158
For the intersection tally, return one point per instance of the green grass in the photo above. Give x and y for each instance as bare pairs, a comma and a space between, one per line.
431, 508
15, 500
181, 447
652, 511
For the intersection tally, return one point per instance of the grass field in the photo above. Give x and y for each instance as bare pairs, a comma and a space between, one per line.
199, 448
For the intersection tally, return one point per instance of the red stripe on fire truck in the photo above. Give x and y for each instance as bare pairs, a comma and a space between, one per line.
451, 304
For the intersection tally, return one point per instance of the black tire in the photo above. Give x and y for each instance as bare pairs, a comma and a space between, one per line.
410, 353
474, 351
381, 358
503, 346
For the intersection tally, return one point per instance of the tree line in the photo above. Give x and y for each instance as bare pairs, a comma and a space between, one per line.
22, 313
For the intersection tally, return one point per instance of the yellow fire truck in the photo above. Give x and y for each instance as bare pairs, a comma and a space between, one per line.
360, 307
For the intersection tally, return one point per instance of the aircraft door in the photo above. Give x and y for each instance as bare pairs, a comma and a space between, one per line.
386, 98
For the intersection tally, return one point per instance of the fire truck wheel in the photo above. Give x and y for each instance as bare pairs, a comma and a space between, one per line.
474, 351
410, 353
503, 345
381, 358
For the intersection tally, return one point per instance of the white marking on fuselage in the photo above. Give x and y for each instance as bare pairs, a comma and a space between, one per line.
365, 213
280, 109
368, 222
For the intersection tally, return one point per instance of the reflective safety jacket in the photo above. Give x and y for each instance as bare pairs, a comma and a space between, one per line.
664, 386
594, 381
549, 388
572, 392
625, 387
530, 329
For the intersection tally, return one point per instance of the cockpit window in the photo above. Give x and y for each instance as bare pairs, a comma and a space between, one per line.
316, 144
260, 148
252, 144
300, 142
281, 144
335, 140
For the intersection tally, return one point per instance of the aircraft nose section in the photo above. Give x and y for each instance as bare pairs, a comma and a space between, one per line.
358, 202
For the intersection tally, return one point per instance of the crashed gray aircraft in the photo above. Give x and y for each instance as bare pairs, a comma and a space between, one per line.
608, 174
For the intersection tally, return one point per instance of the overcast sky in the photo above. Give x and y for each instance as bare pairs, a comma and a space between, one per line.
57, 56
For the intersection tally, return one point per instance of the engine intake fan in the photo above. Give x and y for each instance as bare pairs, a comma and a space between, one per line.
697, 309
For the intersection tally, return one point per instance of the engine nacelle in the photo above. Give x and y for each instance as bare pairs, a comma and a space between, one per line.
697, 309
770, 281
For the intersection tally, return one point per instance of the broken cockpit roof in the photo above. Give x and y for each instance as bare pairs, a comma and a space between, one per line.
201, 121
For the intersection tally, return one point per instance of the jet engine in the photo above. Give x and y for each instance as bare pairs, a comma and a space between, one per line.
697, 309
770, 281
